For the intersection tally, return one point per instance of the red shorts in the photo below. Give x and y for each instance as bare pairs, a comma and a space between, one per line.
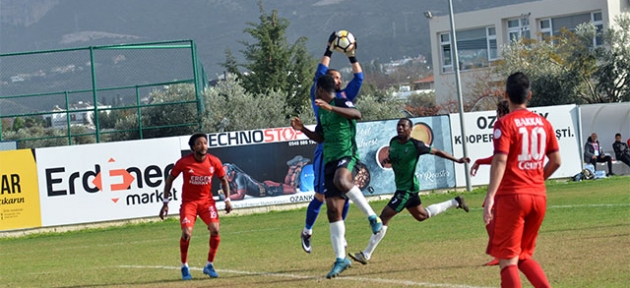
517, 219
206, 210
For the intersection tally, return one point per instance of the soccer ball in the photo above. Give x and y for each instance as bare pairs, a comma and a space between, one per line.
344, 42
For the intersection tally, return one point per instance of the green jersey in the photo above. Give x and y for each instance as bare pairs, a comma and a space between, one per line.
338, 132
404, 158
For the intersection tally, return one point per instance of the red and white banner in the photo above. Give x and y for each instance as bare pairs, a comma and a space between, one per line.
108, 181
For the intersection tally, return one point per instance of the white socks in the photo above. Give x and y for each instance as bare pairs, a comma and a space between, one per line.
358, 199
338, 238
438, 208
374, 240
307, 231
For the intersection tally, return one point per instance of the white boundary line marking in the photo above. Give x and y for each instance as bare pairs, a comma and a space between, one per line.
305, 277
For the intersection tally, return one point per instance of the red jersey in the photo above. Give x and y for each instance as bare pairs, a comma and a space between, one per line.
526, 138
197, 176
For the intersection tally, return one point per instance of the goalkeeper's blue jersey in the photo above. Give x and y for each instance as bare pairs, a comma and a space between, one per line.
350, 92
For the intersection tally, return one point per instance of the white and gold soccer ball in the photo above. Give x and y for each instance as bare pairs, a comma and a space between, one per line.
344, 42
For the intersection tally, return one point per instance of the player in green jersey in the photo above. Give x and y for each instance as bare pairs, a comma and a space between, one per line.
337, 126
404, 154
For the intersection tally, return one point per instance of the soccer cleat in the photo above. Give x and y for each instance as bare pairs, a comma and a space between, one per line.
493, 262
462, 203
359, 257
209, 270
306, 242
375, 223
338, 267
186, 273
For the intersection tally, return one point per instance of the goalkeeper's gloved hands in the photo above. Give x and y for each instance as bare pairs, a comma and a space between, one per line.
351, 53
330, 48
331, 38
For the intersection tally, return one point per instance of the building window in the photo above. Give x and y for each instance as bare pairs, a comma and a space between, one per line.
545, 29
493, 51
475, 48
596, 17
447, 59
518, 28
552, 26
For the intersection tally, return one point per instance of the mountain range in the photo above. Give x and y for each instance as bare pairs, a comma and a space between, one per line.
386, 30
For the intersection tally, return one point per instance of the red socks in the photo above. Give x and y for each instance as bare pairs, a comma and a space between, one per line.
183, 249
214, 245
534, 273
510, 278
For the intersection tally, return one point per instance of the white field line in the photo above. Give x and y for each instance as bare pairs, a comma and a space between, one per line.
305, 277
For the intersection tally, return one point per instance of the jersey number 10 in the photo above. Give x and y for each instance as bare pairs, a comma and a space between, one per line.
538, 140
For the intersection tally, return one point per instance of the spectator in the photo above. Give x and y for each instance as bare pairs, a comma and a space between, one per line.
593, 153
622, 153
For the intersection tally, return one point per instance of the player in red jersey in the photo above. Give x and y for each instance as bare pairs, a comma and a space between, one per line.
502, 110
517, 191
198, 169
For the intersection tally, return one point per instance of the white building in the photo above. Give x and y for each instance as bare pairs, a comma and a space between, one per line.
83, 117
481, 33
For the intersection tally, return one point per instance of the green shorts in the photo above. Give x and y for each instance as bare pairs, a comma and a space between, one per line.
330, 190
404, 199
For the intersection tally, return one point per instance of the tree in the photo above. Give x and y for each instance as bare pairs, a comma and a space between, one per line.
272, 64
18, 123
422, 104
614, 61
183, 118
560, 69
230, 107
373, 108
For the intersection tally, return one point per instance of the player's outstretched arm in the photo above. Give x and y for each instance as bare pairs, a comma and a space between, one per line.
445, 155
479, 162
297, 124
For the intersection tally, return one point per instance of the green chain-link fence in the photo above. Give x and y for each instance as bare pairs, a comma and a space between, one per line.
80, 95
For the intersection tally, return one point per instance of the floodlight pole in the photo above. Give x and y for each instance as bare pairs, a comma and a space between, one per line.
460, 100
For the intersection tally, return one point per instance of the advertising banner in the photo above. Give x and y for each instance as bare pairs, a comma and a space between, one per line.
479, 127
263, 166
107, 181
19, 196
432, 172
274, 166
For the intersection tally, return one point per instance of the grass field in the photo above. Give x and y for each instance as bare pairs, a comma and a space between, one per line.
584, 242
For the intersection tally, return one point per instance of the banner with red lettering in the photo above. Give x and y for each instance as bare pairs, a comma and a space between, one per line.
274, 166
